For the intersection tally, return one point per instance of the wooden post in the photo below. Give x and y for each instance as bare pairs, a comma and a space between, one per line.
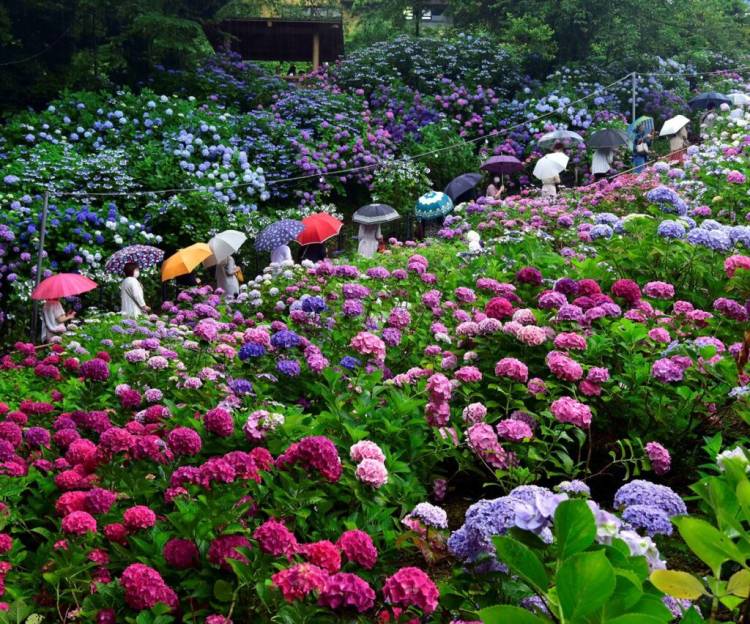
316, 51
40, 252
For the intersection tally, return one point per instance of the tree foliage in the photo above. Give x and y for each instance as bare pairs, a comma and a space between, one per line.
604, 31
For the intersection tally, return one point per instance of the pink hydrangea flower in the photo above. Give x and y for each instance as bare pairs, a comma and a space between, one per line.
347, 591
275, 539
659, 457
411, 587
514, 430
512, 369
358, 548
372, 472
568, 410
366, 449
79, 523
300, 580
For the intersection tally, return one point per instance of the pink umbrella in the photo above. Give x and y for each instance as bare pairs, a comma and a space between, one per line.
62, 285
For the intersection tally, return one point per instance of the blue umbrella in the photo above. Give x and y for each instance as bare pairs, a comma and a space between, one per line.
433, 205
463, 185
277, 234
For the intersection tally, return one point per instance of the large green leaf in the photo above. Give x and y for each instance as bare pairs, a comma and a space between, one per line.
522, 561
635, 618
708, 543
575, 527
505, 614
678, 584
584, 583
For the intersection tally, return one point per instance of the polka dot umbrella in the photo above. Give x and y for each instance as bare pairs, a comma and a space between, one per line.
144, 256
433, 205
278, 234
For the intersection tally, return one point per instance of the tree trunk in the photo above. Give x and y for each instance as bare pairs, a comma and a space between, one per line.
416, 13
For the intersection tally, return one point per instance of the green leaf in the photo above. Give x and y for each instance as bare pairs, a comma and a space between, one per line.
584, 582
635, 618
677, 584
575, 527
743, 496
522, 561
707, 542
504, 614
223, 591
692, 617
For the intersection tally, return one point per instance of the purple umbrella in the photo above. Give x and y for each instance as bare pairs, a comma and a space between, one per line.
502, 164
144, 256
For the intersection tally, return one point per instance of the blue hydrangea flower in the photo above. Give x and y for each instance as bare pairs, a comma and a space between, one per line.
251, 350
641, 492
350, 363
651, 519
285, 339
601, 231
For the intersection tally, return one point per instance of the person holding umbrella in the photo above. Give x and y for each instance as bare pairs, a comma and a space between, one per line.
132, 304
227, 273
226, 277
496, 189
281, 254
54, 318
51, 290
601, 162
368, 240
641, 148
318, 228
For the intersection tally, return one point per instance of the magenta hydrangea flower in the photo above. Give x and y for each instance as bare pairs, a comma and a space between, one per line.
411, 587
659, 457
512, 369
568, 410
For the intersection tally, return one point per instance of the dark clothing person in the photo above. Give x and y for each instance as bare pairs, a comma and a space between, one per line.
315, 252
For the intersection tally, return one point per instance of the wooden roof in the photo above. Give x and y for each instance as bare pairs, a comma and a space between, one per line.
279, 39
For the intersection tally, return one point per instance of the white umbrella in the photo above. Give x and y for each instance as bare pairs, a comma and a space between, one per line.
674, 125
224, 245
559, 157
550, 165
739, 99
559, 135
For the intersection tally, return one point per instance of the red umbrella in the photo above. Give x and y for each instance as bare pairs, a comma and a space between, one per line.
63, 285
319, 228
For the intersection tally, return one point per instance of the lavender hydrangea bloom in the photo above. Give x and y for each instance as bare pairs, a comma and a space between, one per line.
718, 240
430, 515
641, 492
314, 305
607, 218
651, 519
668, 200
671, 229
537, 515
601, 231
574, 487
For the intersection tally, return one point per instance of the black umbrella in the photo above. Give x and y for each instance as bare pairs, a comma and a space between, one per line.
462, 187
375, 214
608, 138
711, 99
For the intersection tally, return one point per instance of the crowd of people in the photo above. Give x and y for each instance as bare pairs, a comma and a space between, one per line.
228, 274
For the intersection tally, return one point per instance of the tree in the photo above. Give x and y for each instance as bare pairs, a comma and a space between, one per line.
394, 10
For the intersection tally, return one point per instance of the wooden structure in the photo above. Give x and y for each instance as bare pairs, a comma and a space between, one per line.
315, 39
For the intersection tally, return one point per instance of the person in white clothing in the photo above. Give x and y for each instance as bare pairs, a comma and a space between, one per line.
281, 254
549, 186
54, 319
226, 278
368, 240
601, 163
131, 293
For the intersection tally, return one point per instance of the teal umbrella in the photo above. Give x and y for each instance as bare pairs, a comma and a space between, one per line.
433, 205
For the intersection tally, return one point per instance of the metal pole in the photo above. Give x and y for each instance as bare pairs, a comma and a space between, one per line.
40, 252
633, 76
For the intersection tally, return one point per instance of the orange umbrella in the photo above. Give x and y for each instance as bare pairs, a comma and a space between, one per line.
184, 261
319, 227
